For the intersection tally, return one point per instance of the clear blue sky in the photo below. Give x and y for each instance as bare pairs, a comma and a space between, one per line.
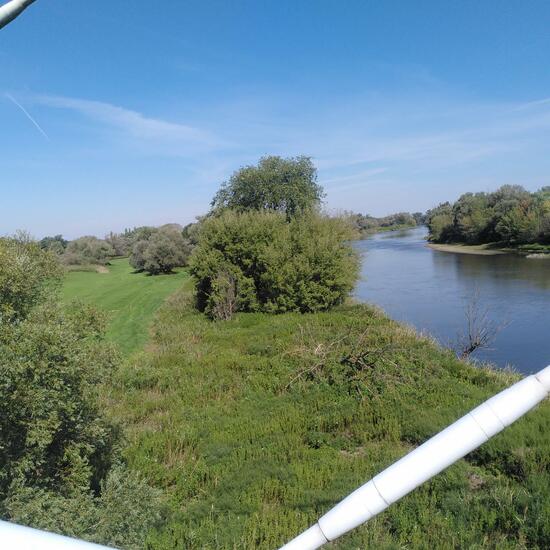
146, 107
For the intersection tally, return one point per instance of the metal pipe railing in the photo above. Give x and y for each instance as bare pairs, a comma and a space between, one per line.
9, 11
17, 537
438, 453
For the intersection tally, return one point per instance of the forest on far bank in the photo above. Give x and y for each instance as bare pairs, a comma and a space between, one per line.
509, 216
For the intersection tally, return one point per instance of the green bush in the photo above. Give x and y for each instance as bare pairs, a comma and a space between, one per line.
161, 251
27, 275
259, 261
57, 448
88, 250
122, 515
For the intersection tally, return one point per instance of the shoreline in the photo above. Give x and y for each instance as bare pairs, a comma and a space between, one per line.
487, 250
477, 250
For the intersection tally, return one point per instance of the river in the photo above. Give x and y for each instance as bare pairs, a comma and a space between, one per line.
431, 290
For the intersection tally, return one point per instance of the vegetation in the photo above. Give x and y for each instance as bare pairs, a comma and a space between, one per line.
59, 463
366, 225
256, 426
252, 428
129, 299
161, 251
56, 244
283, 185
259, 261
511, 216
27, 277
87, 250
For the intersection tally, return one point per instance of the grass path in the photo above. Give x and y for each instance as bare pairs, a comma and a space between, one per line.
131, 299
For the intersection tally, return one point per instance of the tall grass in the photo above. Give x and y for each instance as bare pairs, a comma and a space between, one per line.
256, 426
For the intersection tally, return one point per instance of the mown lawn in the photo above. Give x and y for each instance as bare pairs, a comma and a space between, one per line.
254, 427
130, 299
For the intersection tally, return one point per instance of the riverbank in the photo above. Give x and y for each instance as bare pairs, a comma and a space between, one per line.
478, 250
375, 230
252, 428
493, 249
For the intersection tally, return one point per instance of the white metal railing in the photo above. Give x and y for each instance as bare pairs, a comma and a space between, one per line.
16, 537
9, 11
439, 452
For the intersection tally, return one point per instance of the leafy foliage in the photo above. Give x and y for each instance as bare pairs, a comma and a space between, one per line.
88, 250
162, 251
284, 185
57, 448
366, 224
257, 261
53, 435
27, 275
55, 244
124, 512
511, 215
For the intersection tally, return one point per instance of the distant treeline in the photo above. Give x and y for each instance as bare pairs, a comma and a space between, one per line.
367, 225
510, 216
151, 249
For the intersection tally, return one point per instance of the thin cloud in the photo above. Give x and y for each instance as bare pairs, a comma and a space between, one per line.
28, 115
353, 180
531, 104
174, 137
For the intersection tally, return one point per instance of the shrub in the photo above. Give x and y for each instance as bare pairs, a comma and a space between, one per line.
55, 244
27, 274
161, 252
257, 261
88, 250
121, 515
57, 448
53, 436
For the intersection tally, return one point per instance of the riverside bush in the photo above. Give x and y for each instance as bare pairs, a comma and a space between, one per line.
260, 261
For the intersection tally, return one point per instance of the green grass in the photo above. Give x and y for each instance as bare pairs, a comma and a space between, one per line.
130, 299
254, 427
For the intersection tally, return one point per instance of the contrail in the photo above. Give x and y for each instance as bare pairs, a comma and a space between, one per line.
27, 114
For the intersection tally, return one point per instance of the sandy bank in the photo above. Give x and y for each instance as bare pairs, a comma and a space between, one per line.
478, 250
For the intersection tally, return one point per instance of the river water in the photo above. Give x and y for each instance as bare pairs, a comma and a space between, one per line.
431, 290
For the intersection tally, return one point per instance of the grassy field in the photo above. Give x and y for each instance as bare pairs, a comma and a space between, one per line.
254, 427
131, 299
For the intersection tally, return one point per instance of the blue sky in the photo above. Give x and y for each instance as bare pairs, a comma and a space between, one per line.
144, 108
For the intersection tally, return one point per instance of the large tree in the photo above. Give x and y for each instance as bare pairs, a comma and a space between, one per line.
286, 185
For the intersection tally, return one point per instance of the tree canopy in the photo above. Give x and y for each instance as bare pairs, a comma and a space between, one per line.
286, 185
160, 250
511, 215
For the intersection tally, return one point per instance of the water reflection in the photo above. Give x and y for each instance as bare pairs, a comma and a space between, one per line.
430, 290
